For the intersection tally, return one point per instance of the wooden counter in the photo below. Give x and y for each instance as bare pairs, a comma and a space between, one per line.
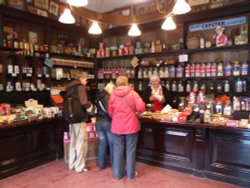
217, 152
28, 144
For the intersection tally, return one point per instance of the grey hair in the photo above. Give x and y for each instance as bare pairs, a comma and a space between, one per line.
154, 77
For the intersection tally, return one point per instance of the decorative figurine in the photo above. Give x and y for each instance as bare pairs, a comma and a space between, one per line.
220, 39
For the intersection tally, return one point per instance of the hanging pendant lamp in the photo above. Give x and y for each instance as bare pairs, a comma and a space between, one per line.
95, 29
168, 24
181, 7
78, 3
67, 17
134, 31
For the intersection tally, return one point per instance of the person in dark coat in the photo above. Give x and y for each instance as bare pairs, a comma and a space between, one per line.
78, 131
103, 124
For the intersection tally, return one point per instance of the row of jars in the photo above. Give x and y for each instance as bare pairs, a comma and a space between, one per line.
223, 86
235, 68
113, 73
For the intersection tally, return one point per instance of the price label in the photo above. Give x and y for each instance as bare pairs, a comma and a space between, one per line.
47, 75
13, 75
28, 75
183, 58
39, 75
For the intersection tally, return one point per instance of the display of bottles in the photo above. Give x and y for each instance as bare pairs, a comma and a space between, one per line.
113, 73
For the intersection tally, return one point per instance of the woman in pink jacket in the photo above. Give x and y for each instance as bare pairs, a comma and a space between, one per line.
124, 103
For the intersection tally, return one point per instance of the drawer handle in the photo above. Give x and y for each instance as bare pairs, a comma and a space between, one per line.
176, 133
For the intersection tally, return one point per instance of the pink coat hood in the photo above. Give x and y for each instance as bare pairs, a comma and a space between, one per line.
124, 120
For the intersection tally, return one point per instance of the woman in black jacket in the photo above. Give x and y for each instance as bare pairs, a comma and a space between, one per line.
103, 124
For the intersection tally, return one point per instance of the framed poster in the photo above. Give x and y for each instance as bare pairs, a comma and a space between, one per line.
53, 8
43, 4
197, 2
19, 4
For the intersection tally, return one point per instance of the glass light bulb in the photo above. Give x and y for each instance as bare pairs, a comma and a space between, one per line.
67, 17
134, 31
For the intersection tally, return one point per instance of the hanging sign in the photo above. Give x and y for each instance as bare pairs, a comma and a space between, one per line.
214, 24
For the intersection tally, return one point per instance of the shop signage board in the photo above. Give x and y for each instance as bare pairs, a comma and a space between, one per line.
224, 23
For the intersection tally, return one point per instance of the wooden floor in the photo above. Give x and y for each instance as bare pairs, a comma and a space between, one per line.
57, 175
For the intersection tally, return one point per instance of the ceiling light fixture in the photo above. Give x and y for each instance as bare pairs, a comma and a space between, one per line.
67, 17
181, 7
95, 29
134, 31
78, 3
168, 24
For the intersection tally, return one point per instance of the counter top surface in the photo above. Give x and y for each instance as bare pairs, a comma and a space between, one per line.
4, 126
195, 125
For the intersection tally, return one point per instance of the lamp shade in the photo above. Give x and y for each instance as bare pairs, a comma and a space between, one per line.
78, 3
67, 17
181, 7
95, 29
168, 24
134, 31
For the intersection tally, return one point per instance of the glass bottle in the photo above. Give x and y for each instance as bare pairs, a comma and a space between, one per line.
239, 86
214, 70
244, 68
166, 74
236, 68
203, 70
188, 86
220, 69
197, 70
187, 71
226, 86
168, 85
227, 109
174, 88
228, 69
195, 86
208, 70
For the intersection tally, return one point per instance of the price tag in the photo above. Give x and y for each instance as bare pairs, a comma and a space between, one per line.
47, 75
13, 75
28, 75
183, 58
39, 75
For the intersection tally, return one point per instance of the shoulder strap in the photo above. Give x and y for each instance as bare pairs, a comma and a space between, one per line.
102, 107
126, 101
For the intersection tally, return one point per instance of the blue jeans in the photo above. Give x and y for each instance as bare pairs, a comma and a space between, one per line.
105, 140
120, 142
